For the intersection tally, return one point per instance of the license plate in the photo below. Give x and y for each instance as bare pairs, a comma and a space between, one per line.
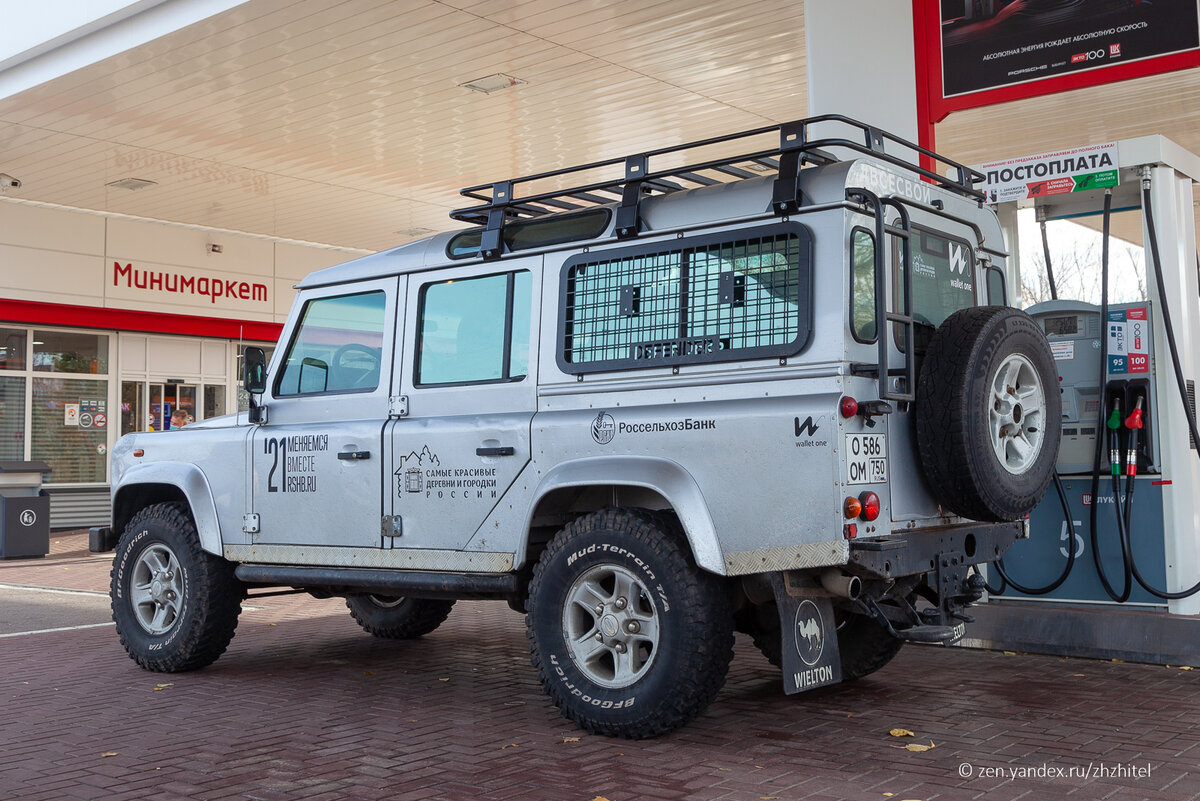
866, 458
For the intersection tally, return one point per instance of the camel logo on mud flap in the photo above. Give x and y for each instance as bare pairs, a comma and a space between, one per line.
810, 633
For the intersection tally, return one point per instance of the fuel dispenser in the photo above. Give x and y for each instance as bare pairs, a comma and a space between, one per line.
1128, 396
1111, 566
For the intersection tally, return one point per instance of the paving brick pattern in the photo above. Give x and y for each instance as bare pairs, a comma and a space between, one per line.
304, 706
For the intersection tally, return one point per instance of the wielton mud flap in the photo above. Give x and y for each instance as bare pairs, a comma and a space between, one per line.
810, 648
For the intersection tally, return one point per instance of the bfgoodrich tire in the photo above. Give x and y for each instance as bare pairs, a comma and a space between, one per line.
630, 638
175, 606
988, 414
398, 618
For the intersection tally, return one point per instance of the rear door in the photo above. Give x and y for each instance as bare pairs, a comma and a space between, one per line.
943, 281
468, 377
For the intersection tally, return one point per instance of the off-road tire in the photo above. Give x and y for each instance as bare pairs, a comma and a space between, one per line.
398, 618
864, 646
207, 595
689, 608
954, 407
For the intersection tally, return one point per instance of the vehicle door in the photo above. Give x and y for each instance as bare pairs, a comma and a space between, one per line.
942, 258
318, 462
469, 381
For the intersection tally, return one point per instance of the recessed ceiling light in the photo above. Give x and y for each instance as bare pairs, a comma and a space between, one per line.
132, 184
493, 83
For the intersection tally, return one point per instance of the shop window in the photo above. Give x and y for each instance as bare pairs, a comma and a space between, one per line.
12, 418
12, 349
475, 330
66, 352
69, 428
214, 401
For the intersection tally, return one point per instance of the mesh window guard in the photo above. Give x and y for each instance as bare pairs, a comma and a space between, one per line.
714, 298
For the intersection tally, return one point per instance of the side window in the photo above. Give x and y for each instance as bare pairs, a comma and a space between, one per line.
713, 298
943, 280
337, 347
862, 285
997, 293
474, 330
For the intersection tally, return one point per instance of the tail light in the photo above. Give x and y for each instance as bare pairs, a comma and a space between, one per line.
849, 406
852, 508
870, 505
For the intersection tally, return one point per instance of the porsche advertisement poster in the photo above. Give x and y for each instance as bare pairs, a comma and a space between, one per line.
988, 44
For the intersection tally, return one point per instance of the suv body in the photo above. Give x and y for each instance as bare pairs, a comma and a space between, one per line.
669, 403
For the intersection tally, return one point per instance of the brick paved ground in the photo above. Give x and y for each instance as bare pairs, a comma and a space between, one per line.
305, 706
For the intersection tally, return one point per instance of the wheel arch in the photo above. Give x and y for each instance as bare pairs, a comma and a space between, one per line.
166, 482
661, 478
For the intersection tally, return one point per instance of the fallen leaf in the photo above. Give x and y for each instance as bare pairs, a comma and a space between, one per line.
901, 733
572, 739
1078, 675
1010, 653
368, 673
758, 767
1185, 667
767, 797
272, 624
599, 798
915, 746
109, 753
889, 795
445, 679
1118, 660
510, 745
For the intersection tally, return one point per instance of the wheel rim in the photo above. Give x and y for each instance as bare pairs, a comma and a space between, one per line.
1017, 415
611, 625
157, 595
385, 601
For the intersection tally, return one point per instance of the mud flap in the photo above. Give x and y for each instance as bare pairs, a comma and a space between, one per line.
810, 648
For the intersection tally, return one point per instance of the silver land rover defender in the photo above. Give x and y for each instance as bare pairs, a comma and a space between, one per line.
649, 405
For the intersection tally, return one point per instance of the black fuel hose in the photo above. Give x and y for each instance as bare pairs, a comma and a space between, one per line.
1127, 585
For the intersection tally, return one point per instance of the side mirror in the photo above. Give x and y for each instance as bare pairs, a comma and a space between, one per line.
254, 367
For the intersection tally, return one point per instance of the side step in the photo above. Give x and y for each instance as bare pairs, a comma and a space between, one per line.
937, 635
406, 583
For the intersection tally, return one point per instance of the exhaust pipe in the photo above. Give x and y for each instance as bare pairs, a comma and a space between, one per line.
838, 583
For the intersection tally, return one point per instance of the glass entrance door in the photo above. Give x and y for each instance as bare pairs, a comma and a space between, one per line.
165, 399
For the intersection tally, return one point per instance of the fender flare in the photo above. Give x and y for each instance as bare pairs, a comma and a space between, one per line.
189, 480
664, 476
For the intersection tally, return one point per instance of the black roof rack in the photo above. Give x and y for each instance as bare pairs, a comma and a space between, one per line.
796, 148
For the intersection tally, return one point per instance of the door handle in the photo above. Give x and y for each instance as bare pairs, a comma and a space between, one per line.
503, 450
352, 455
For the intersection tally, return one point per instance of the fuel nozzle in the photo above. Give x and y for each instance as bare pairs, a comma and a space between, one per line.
1114, 446
1134, 423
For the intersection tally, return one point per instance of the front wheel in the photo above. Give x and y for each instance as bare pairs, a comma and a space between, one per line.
630, 638
175, 606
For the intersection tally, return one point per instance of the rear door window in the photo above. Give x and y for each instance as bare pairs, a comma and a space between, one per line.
943, 279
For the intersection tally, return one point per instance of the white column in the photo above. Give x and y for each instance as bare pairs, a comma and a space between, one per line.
861, 63
1174, 224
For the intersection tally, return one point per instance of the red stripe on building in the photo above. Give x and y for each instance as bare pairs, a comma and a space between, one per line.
30, 312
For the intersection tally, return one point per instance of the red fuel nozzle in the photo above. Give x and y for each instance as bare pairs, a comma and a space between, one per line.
1134, 423
1134, 420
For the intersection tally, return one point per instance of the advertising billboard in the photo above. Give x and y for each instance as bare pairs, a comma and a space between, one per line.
992, 44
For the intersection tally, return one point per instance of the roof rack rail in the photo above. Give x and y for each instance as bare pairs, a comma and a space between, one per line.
795, 149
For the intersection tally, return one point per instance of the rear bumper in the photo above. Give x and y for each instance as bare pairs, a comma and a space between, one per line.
945, 548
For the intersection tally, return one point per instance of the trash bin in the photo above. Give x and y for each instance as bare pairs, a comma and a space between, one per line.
24, 510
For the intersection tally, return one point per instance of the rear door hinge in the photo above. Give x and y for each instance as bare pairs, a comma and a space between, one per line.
250, 523
398, 406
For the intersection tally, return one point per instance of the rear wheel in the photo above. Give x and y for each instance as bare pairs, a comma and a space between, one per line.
175, 606
630, 638
398, 618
